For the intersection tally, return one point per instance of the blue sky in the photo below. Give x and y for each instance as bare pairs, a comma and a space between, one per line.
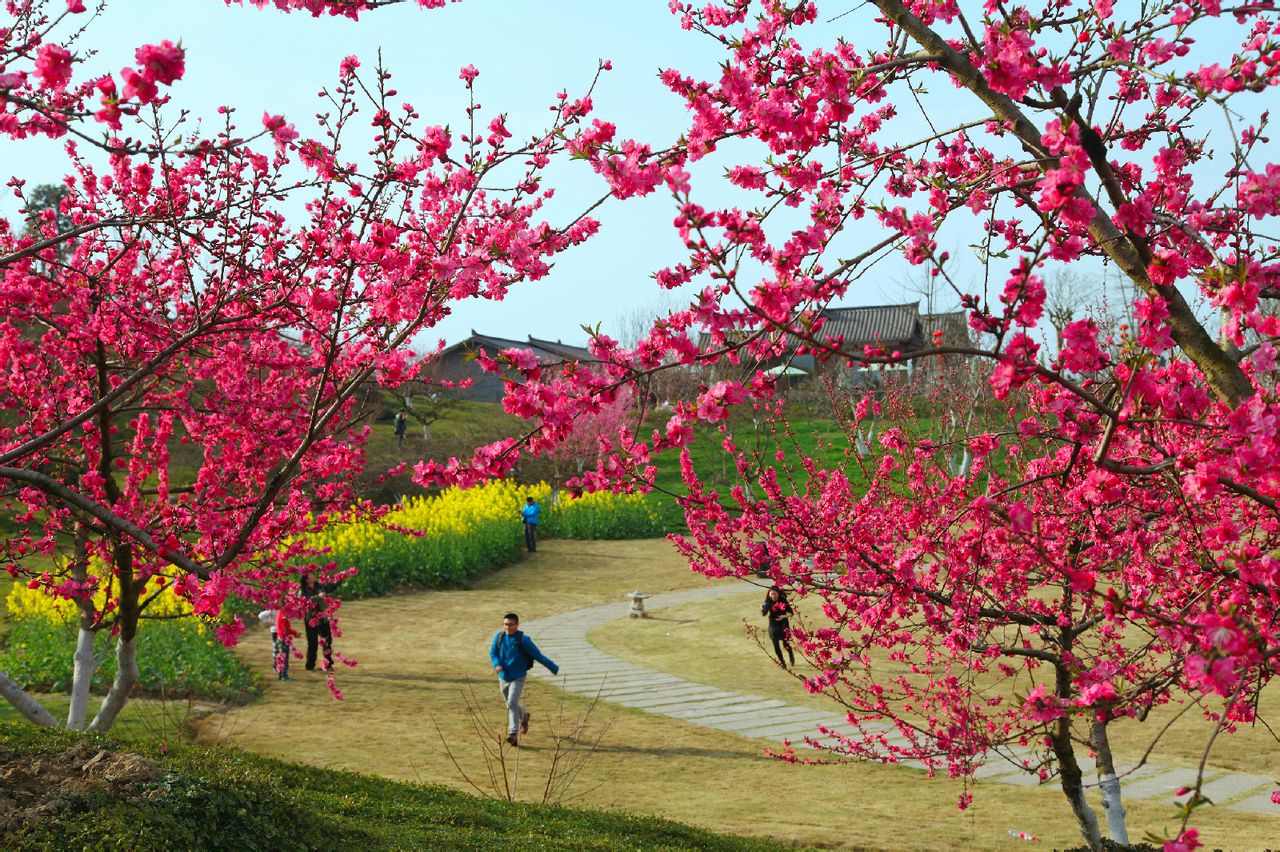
526, 52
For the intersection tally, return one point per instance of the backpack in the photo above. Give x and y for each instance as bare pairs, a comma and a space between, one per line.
519, 635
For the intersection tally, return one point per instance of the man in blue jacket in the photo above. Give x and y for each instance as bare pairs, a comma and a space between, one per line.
529, 513
512, 654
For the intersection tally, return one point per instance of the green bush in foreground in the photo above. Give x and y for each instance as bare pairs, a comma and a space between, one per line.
175, 658
200, 798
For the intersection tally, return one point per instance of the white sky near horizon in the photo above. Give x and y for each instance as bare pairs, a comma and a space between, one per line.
264, 60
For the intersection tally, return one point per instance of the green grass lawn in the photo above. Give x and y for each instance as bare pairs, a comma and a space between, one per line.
708, 642
472, 423
423, 654
420, 655
148, 720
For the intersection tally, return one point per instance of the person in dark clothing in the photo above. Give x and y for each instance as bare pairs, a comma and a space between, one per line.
779, 612
401, 425
316, 620
764, 563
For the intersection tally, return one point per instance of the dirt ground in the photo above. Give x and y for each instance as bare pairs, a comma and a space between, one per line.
422, 666
32, 791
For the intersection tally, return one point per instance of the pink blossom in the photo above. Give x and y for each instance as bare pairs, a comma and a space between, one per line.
282, 133
1042, 706
53, 65
1021, 519
1097, 693
162, 63
1216, 676
229, 634
713, 404
138, 86
1223, 633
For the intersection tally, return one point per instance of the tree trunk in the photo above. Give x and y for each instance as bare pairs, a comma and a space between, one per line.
85, 665
1110, 784
1073, 789
1060, 741
121, 687
30, 709
127, 676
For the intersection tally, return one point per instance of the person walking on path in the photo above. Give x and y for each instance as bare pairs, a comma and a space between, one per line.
530, 513
401, 425
513, 654
316, 621
779, 611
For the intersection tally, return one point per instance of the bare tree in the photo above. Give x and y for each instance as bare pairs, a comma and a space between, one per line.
572, 743
1067, 295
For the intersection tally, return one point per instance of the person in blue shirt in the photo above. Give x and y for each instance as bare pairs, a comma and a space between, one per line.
530, 512
512, 654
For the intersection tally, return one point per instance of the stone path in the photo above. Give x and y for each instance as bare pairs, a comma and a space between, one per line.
590, 671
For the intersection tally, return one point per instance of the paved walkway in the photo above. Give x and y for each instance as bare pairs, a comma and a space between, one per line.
590, 671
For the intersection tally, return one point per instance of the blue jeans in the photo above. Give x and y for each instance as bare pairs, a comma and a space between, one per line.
511, 691
531, 536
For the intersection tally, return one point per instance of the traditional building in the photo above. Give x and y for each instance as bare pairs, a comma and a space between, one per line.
890, 328
458, 362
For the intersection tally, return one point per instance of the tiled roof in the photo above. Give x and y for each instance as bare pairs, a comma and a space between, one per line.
890, 326
545, 350
954, 327
580, 353
875, 324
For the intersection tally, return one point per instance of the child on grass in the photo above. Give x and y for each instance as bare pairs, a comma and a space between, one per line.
282, 642
282, 634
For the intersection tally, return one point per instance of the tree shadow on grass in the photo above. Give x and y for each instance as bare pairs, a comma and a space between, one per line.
410, 678
676, 751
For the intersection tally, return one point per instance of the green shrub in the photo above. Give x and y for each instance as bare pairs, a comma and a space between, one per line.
468, 532
175, 658
463, 533
601, 515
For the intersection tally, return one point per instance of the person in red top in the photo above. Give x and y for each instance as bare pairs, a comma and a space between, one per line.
283, 634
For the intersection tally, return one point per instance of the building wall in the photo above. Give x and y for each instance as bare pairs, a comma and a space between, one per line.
454, 366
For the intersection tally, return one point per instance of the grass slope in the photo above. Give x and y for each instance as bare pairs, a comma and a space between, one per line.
67, 791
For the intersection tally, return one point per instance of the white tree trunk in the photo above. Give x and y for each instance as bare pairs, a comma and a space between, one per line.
1072, 778
85, 665
126, 679
1114, 810
1085, 818
1110, 784
31, 709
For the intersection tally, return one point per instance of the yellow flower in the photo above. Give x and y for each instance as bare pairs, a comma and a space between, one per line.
24, 603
